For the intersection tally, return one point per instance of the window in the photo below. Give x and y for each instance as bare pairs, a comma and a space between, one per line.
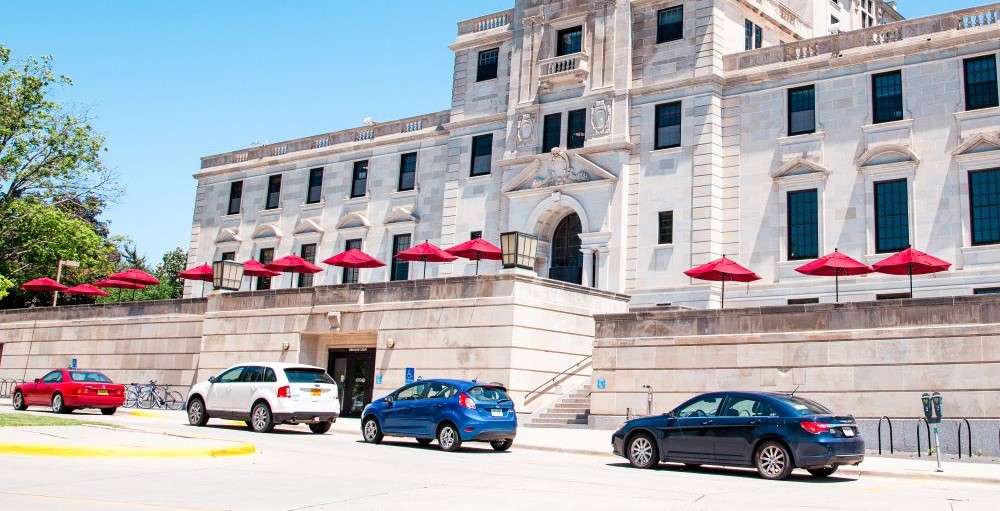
892, 217
980, 82
441, 391
803, 406
887, 97
315, 193
892, 296
307, 252
666, 231
753, 35
482, 154
407, 172
265, 256
569, 41
307, 375
475, 235
252, 374
89, 376
747, 407
834, 20
668, 125
228, 256
670, 24
486, 68
351, 275
976, 291
801, 110
551, 126
704, 407
400, 269
984, 203
415, 391
230, 376
489, 393
273, 192
269, 376
235, 197
52, 377
802, 301
803, 225
576, 128
359, 179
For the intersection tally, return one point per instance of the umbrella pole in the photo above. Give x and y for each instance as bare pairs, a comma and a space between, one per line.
425, 268
723, 293
909, 270
836, 283
477, 266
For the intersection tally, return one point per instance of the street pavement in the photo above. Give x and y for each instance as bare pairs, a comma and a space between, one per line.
294, 470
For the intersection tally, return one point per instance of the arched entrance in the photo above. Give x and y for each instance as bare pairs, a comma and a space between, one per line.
567, 260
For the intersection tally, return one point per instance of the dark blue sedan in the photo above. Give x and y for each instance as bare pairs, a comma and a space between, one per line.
451, 411
773, 432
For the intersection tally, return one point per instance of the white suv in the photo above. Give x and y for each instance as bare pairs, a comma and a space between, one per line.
267, 393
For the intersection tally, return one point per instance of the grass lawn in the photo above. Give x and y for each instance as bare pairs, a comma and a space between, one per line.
25, 419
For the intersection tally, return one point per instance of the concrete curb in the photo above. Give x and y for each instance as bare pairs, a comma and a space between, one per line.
68, 451
145, 413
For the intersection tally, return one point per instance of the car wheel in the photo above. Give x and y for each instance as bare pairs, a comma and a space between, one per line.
371, 431
448, 438
823, 472
425, 441
321, 427
501, 445
260, 416
109, 411
197, 416
642, 451
58, 406
18, 401
249, 423
773, 461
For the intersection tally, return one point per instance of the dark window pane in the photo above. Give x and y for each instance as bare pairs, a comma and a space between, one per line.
351, 274
315, 193
668, 125
758, 37
482, 154
487, 65
981, 82
666, 228
475, 235
670, 24
400, 269
307, 252
803, 225
569, 41
273, 192
265, 256
407, 171
235, 197
307, 375
747, 35
551, 126
576, 128
228, 256
359, 179
887, 97
801, 110
984, 202
892, 217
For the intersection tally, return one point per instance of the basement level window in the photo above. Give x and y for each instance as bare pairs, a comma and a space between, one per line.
892, 296
986, 291
803, 301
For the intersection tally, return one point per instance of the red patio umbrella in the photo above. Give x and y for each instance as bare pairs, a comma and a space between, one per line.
834, 265
292, 264
353, 258
136, 276
203, 273
86, 290
253, 268
426, 252
476, 249
911, 262
109, 282
722, 269
43, 285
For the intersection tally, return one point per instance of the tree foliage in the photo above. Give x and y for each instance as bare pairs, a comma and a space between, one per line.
167, 271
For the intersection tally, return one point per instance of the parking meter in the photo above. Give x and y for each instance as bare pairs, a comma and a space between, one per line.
936, 401
932, 412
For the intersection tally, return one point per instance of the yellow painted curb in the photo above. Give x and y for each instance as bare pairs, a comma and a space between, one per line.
69, 451
144, 413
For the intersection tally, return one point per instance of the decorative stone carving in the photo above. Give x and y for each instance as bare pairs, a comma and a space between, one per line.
267, 231
308, 225
352, 220
400, 214
559, 171
977, 143
556, 169
525, 129
600, 117
228, 234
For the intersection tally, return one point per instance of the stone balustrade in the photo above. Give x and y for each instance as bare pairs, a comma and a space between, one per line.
487, 22
568, 68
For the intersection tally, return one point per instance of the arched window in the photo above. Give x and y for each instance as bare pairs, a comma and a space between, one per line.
567, 261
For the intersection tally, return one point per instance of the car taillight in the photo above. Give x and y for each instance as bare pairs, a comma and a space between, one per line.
285, 391
466, 401
815, 427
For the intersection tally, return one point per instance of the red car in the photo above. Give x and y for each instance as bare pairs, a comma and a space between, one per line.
68, 389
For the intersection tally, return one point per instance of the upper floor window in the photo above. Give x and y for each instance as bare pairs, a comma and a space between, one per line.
351, 274
486, 68
670, 24
892, 216
668, 125
666, 227
407, 172
273, 192
228, 256
801, 110
551, 129
482, 154
359, 179
887, 97
400, 269
980, 82
315, 193
307, 252
235, 197
569, 41
984, 205
265, 256
753, 35
803, 224
475, 235
576, 128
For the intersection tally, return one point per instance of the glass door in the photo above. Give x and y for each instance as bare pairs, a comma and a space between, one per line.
354, 371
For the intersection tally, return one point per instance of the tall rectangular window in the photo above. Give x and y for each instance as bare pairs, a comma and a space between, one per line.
307, 252
666, 227
668, 125
551, 129
273, 192
801, 110
980, 82
235, 197
265, 256
892, 216
486, 68
482, 154
670, 24
315, 193
407, 172
753, 35
887, 97
803, 224
359, 179
576, 128
984, 203
475, 235
228, 256
400, 269
351, 274
569, 41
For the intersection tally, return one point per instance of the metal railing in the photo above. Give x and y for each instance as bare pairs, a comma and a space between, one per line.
563, 373
927, 426
7, 387
152, 395
889, 422
968, 429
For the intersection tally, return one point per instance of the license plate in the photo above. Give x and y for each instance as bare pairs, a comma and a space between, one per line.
315, 392
496, 412
848, 431
102, 392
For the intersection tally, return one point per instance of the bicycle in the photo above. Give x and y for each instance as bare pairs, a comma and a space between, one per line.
152, 395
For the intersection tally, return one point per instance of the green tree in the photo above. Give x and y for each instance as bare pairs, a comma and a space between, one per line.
5, 284
167, 271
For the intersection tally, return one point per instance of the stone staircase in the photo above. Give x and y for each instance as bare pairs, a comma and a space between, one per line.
570, 411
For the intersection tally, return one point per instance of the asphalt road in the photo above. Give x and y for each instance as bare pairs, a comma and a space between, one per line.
294, 469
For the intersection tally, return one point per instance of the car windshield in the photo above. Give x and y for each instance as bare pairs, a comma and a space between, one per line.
307, 375
488, 394
803, 406
89, 376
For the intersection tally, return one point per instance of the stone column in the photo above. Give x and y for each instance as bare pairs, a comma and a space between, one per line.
588, 265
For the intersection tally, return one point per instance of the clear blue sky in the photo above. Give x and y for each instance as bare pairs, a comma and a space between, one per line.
168, 82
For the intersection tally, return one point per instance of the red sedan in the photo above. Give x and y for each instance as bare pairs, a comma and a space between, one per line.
68, 389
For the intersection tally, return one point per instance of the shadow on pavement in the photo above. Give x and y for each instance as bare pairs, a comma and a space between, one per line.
747, 473
433, 447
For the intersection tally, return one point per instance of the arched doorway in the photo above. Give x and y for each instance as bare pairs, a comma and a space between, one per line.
567, 261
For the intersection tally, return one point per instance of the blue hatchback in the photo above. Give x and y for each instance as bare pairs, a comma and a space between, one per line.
451, 411
772, 432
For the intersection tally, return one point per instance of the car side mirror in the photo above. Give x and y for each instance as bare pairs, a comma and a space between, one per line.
669, 414
38, 380
388, 401
213, 379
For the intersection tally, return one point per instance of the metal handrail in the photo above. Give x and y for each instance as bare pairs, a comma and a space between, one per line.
888, 421
927, 425
535, 390
968, 429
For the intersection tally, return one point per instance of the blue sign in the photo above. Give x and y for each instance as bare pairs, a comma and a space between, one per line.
602, 383
411, 375
72, 363
378, 378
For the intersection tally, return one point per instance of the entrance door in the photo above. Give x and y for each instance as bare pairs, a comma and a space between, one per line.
354, 371
567, 261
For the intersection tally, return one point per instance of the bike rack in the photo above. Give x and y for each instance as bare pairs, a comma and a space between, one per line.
889, 422
929, 445
968, 429
7, 386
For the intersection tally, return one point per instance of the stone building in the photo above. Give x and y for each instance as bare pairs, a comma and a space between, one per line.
639, 138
